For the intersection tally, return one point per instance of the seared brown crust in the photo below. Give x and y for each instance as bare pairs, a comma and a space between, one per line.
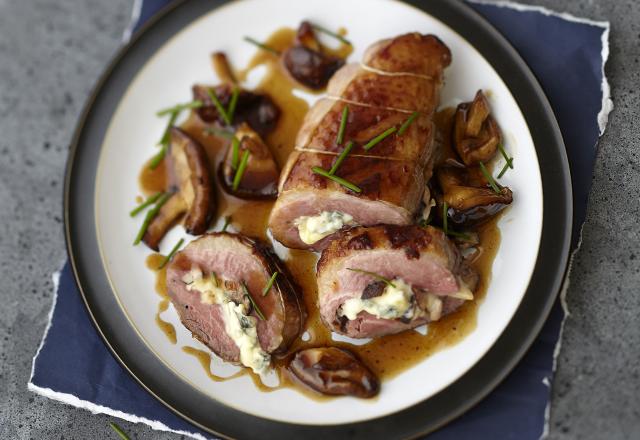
396, 182
363, 124
409, 53
407, 93
412, 239
382, 93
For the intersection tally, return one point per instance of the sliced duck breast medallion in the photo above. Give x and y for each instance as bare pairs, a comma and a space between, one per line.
209, 282
391, 192
389, 174
422, 272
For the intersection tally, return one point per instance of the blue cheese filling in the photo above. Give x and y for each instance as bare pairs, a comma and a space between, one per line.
396, 301
240, 327
314, 228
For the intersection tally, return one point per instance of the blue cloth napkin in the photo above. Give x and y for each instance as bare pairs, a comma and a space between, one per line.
567, 55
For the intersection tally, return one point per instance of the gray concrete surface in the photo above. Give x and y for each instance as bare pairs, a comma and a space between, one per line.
51, 52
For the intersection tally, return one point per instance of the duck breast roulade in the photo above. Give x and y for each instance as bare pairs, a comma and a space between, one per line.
385, 279
395, 90
220, 286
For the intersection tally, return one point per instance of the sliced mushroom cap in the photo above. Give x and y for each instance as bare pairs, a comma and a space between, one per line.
470, 201
190, 179
259, 180
222, 67
306, 62
476, 133
256, 109
334, 371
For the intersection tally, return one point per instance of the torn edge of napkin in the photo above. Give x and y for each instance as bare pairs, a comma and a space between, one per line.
607, 102
603, 118
72, 400
135, 16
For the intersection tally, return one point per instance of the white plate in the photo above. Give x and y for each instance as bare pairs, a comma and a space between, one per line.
167, 78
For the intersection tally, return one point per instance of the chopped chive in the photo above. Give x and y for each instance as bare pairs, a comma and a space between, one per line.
233, 103
159, 156
270, 283
215, 279
227, 221
373, 142
405, 126
218, 105
387, 281
461, 235
150, 216
445, 226
445, 216
178, 108
217, 132
171, 253
343, 125
333, 34
150, 201
253, 303
262, 46
505, 155
118, 430
509, 161
241, 168
164, 140
336, 179
342, 157
489, 178
503, 170
235, 153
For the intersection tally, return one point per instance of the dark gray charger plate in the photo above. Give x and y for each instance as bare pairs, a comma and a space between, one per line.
219, 419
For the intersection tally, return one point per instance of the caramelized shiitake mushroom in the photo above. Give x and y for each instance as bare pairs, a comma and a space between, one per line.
469, 198
222, 67
307, 63
334, 371
191, 184
259, 179
256, 109
476, 134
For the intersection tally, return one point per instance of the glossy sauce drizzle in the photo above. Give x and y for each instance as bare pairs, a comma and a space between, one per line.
387, 356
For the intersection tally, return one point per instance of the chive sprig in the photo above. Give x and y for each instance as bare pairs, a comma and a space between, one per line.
378, 277
253, 303
487, 175
151, 214
171, 253
270, 283
336, 179
241, 169
150, 201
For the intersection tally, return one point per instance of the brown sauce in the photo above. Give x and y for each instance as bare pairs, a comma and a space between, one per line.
387, 356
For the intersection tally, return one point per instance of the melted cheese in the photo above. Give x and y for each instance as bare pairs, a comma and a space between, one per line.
315, 228
394, 302
240, 327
